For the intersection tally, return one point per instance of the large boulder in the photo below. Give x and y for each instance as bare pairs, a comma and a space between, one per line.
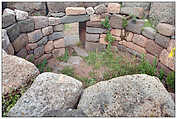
49, 91
163, 12
16, 72
136, 95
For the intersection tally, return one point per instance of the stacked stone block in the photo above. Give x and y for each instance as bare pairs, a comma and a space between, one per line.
43, 36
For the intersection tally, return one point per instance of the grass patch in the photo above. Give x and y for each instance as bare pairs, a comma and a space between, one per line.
43, 66
148, 23
171, 80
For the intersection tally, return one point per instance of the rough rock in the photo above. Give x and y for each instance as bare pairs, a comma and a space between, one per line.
60, 14
43, 41
90, 10
49, 47
163, 12
8, 11
100, 9
139, 40
31, 7
145, 5
22, 53
59, 27
35, 36
54, 21
5, 39
113, 8
165, 29
21, 15
10, 49
95, 30
164, 59
40, 21
149, 32
49, 91
133, 46
95, 18
92, 37
75, 60
56, 35
153, 48
90, 46
116, 32
26, 25
93, 24
65, 113
31, 46
3, 52
137, 11
162, 40
8, 18
60, 43
171, 45
165, 68
13, 32
130, 36
71, 19
150, 58
16, 72
39, 51
80, 52
137, 95
20, 42
58, 52
135, 27
41, 59
75, 11
47, 30
116, 21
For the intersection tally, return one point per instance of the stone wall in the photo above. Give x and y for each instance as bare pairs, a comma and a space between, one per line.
42, 36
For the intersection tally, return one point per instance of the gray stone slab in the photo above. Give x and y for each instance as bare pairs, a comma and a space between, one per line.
26, 25
13, 31
92, 37
7, 20
135, 27
71, 40
43, 41
95, 30
71, 19
149, 32
90, 46
162, 40
56, 35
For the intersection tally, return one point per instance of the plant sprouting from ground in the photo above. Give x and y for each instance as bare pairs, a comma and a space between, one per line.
65, 57
171, 80
106, 23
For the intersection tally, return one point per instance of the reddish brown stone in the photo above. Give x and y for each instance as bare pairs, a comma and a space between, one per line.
31, 46
153, 48
20, 42
167, 61
102, 41
94, 24
150, 58
60, 43
75, 10
40, 59
164, 68
165, 29
171, 45
49, 47
133, 46
58, 52
130, 36
140, 40
116, 32
95, 18
113, 8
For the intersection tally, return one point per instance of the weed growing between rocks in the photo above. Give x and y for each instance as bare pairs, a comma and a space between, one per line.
10, 99
43, 66
65, 57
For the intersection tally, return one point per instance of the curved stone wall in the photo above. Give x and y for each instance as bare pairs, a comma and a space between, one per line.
42, 36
